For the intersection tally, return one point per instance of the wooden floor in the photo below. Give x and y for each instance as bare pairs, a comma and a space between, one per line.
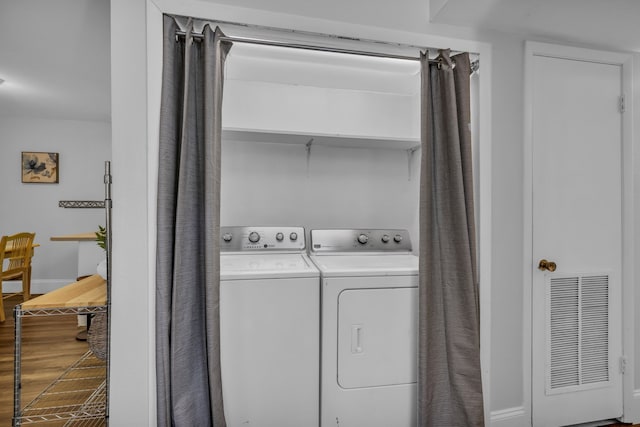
48, 348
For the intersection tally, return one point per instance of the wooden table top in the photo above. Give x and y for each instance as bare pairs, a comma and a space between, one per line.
80, 237
88, 292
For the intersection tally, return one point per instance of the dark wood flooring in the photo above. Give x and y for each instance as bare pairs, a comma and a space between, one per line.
49, 346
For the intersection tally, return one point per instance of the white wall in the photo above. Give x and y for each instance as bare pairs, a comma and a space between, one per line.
270, 184
634, 97
132, 356
135, 80
507, 238
507, 181
83, 146
129, 386
323, 110
329, 186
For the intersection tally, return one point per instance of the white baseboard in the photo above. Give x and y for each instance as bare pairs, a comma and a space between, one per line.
38, 286
516, 417
510, 417
632, 414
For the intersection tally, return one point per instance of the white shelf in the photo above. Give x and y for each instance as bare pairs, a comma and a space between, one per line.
302, 138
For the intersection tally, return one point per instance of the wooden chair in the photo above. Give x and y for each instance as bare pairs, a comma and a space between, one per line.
16, 252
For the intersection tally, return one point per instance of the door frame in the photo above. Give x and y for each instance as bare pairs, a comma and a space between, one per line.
625, 61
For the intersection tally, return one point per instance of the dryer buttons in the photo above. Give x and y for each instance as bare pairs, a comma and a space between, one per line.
227, 237
293, 236
363, 239
385, 238
397, 238
254, 237
279, 237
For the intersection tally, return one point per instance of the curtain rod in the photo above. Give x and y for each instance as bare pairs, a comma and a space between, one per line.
199, 36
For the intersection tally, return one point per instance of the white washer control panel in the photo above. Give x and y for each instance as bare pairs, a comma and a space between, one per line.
255, 238
360, 240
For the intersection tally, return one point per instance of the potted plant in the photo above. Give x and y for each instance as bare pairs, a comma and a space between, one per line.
101, 237
101, 240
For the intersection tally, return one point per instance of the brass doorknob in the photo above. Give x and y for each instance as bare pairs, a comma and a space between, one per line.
547, 265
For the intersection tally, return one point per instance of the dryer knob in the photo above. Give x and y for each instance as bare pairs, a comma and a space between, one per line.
293, 236
385, 238
254, 237
279, 237
397, 238
227, 237
363, 238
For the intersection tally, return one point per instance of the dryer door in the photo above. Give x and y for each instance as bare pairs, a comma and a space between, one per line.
377, 337
369, 330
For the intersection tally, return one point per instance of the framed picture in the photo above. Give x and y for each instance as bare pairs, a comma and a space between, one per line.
40, 167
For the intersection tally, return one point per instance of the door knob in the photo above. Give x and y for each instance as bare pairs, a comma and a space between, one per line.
547, 265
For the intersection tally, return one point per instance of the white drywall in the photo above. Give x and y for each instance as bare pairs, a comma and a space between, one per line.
83, 147
132, 385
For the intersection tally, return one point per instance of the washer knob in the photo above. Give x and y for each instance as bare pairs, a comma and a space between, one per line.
254, 237
385, 238
279, 237
227, 237
363, 238
397, 238
293, 236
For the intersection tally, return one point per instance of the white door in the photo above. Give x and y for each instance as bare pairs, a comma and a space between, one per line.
577, 226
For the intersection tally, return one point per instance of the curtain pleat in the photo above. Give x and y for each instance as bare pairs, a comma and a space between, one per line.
449, 374
189, 387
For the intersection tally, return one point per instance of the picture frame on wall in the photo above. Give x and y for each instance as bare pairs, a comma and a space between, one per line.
40, 167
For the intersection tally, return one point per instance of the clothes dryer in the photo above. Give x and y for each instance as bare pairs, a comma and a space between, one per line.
369, 292
269, 321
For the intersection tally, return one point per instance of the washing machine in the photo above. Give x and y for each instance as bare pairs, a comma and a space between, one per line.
369, 293
269, 328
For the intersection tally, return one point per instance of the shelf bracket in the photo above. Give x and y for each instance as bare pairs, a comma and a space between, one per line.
81, 204
308, 147
410, 153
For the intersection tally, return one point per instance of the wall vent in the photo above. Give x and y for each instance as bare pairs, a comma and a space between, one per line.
578, 332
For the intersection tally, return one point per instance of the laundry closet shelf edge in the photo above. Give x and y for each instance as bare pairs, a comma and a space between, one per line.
323, 139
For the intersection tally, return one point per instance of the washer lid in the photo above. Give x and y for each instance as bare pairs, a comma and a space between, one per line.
366, 265
275, 265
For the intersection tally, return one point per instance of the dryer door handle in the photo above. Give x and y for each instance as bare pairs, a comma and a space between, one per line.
356, 339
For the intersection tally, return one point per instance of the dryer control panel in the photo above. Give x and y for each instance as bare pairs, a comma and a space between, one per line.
360, 240
255, 238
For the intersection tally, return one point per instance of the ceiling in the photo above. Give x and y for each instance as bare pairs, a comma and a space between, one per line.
55, 59
604, 23
611, 24
54, 55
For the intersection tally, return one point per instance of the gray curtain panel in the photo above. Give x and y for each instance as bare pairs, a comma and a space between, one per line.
189, 387
449, 375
